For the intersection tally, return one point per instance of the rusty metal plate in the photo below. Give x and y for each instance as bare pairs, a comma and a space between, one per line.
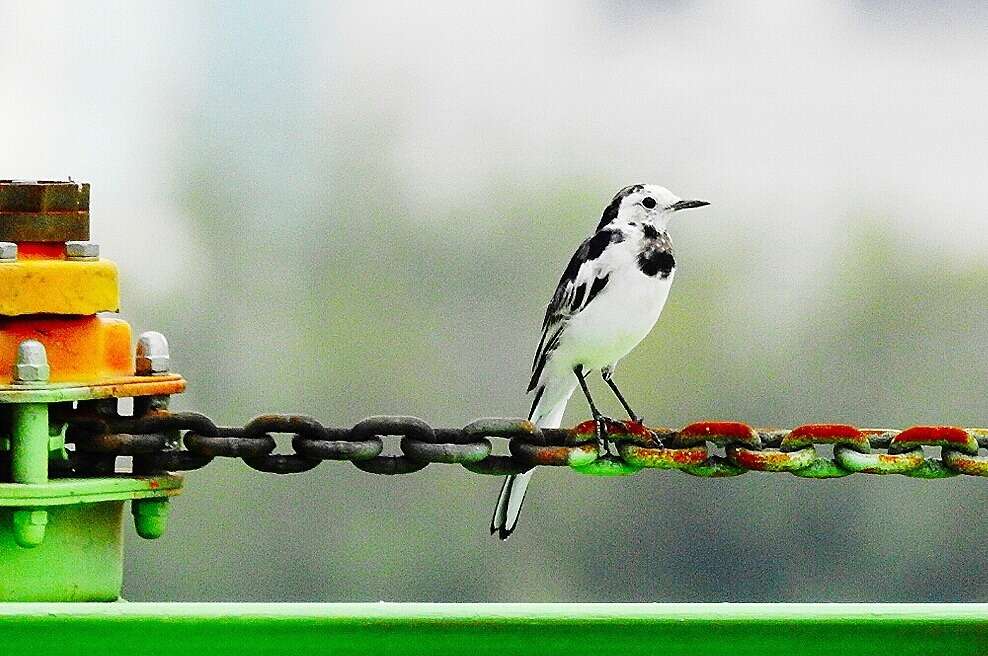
44, 211
122, 387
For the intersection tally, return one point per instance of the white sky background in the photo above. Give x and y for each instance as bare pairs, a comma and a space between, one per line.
794, 118
791, 116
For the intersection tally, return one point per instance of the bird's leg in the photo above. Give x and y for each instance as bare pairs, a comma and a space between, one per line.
606, 374
603, 446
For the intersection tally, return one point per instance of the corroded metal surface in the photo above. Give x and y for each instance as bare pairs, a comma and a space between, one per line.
152, 357
119, 388
43, 211
872, 451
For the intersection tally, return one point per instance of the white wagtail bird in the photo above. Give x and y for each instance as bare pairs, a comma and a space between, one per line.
607, 301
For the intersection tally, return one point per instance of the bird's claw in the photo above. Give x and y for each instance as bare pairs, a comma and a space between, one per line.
603, 444
653, 437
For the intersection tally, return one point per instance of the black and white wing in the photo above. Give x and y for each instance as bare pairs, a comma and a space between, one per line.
582, 280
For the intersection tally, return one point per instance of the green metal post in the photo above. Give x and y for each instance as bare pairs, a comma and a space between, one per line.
30, 443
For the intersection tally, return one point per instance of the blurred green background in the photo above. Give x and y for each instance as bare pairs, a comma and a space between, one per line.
362, 208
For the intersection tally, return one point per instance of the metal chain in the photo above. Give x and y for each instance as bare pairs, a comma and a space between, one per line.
164, 441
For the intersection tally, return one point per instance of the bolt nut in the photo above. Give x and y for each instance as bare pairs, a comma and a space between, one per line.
152, 354
8, 251
81, 251
32, 363
150, 517
29, 527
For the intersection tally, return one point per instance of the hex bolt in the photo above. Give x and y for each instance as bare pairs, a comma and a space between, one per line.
81, 251
30, 434
8, 251
29, 526
150, 517
152, 354
32, 363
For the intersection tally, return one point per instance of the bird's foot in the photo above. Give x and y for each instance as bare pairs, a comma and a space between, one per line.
638, 424
603, 443
659, 444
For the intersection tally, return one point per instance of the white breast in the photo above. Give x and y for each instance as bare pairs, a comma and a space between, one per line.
614, 323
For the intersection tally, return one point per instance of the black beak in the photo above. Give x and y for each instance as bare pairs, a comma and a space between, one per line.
687, 204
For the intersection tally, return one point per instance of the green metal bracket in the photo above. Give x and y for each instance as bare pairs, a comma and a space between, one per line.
63, 540
29, 443
29, 465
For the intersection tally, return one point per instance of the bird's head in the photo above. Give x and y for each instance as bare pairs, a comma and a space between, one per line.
644, 203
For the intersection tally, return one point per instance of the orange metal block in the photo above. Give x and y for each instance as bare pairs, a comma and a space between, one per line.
80, 348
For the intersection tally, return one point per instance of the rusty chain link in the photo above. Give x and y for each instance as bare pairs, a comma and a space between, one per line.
164, 441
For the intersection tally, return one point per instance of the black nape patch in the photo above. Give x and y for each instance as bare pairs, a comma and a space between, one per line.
611, 211
656, 262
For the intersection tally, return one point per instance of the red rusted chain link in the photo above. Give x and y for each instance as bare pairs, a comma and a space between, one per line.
416, 444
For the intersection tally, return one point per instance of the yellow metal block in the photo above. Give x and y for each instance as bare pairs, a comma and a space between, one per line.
58, 287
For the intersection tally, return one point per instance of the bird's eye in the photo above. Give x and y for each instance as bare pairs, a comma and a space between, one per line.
649, 202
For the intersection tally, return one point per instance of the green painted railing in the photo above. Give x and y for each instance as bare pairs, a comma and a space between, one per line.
480, 629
